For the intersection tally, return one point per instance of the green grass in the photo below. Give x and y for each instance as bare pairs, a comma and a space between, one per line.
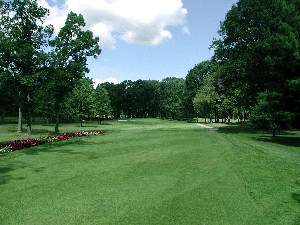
154, 172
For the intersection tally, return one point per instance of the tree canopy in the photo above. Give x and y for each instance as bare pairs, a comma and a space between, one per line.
254, 72
67, 60
259, 51
22, 40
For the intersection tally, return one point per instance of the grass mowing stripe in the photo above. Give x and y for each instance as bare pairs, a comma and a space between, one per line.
270, 173
142, 172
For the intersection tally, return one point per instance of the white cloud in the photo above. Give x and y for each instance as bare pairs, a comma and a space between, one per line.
186, 30
57, 15
109, 80
134, 21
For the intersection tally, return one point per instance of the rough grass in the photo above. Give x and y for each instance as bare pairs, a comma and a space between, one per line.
154, 172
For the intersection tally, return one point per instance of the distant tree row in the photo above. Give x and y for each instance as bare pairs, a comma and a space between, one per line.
148, 98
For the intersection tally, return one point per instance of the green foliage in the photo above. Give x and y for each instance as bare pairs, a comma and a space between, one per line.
102, 102
259, 50
141, 98
206, 97
137, 99
22, 40
194, 80
268, 114
172, 95
116, 95
67, 60
82, 99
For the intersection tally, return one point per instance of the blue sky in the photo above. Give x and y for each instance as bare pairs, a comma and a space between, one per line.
146, 39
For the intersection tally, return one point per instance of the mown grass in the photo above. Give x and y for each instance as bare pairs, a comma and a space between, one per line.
154, 172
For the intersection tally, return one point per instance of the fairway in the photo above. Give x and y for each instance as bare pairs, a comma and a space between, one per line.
151, 171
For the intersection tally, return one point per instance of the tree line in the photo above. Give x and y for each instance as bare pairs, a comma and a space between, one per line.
257, 63
254, 74
255, 70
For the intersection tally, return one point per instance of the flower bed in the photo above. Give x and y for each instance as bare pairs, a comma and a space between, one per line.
31, 142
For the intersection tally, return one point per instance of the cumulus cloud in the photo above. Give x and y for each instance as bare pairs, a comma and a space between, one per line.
57, 16
134, 21
109, 80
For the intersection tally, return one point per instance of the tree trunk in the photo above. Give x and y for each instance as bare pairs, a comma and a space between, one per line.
19, 128
29, 130
244, 116
2, 115
28, 108
57, 122
274, 132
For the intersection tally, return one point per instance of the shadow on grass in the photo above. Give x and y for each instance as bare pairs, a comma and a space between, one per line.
282, 140
296, 197
5, 177
62, 147
43, 132
236, 128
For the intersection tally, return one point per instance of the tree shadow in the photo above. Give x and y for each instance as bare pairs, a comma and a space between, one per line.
43, 132
3, 174
296, 197
88, 125
61, 147
281, 140
5, 177
236, 128
7, 173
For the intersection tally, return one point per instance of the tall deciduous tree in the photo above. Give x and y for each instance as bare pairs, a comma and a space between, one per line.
82, 99
102, 103
194, 80
259, 50
206, 98
23, 38
67, 61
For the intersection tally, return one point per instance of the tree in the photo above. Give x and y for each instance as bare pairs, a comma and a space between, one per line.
194, 80
206, 98
82, 99
268, 114
102, 103
172, 93
259, 50
151, 97
116, 94
23, 38
141, 98
67, 60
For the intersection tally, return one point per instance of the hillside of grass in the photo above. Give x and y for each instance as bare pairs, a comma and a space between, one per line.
153, 172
